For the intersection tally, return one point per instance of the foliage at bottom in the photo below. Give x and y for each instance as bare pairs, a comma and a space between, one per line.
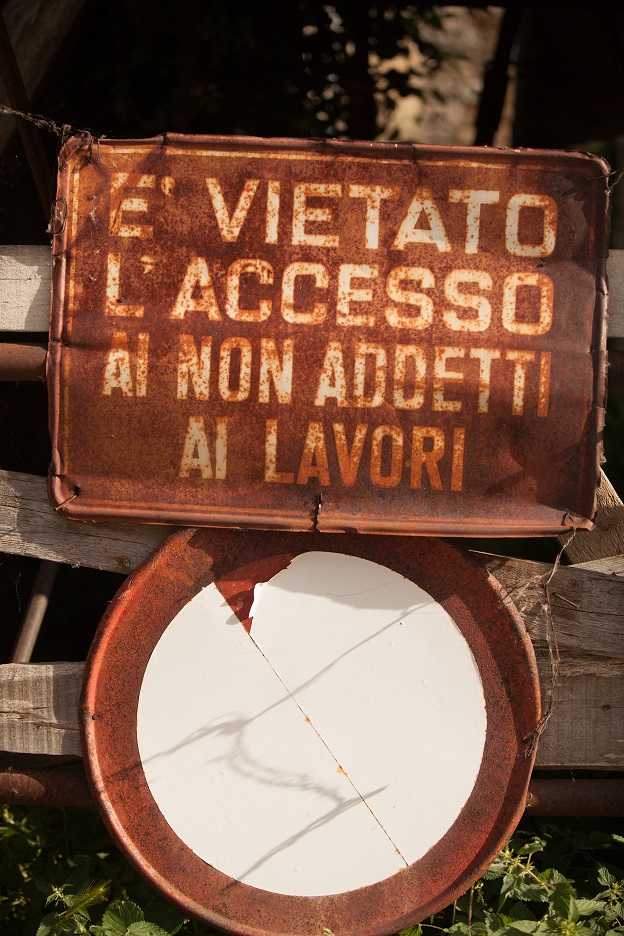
60, 873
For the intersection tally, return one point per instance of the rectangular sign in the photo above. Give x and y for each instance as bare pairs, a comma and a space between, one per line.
328, 335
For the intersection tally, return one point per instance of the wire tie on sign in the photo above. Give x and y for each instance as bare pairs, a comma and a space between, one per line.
616, 175
553, 649
62, 131
58, 218
90, 140
44, 123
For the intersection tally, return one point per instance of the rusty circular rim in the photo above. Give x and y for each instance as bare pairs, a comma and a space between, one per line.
148, 601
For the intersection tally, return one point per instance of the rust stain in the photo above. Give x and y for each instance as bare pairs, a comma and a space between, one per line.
22, 362
329, 336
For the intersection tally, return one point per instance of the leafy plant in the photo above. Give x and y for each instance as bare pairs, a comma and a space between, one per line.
74, 899
522, 892
61, 874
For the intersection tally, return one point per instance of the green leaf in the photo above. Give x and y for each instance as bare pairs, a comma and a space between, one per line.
598, 840
53, 925
496, 923
523, 926
587, 907
519, 911
508, 883
559, 900
552, 876
522, 890
143, 928
158, 911
45, 887
119, 916
496, 870
573, 911
536, 845
45, 927
605, 877
90, 893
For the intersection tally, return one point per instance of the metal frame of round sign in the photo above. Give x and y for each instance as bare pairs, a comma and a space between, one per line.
197, 588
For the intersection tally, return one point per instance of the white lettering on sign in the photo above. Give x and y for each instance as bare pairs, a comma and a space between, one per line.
510, 293
230, 227
303, 214
318, 313
473, 200
121, 202
400, 318
121, 365
548, 208
196, 451
197, 279
379, 365
195, 366
411, 233
264, 272
468, 300
316, 220
374, 195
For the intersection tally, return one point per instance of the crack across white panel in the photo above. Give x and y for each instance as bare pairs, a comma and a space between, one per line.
331, 746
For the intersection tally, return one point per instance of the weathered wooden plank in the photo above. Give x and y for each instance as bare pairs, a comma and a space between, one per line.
615, 278
39, 706
612, 565
584, 602
587, 609
607, 538
22, 265
587, 612
25, 289
586, 606
30, 527
585, 730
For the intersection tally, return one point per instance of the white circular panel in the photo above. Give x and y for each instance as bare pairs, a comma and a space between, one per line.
328, 748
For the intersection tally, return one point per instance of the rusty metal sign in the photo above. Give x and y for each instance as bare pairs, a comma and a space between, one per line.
257, 711
328, 335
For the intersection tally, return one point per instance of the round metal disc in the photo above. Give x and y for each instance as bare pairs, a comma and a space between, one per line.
288, 733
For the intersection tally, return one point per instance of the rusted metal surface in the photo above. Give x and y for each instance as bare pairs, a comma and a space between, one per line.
142, 611
28, 362
62, 786
46, 786
22, 362
328, 336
